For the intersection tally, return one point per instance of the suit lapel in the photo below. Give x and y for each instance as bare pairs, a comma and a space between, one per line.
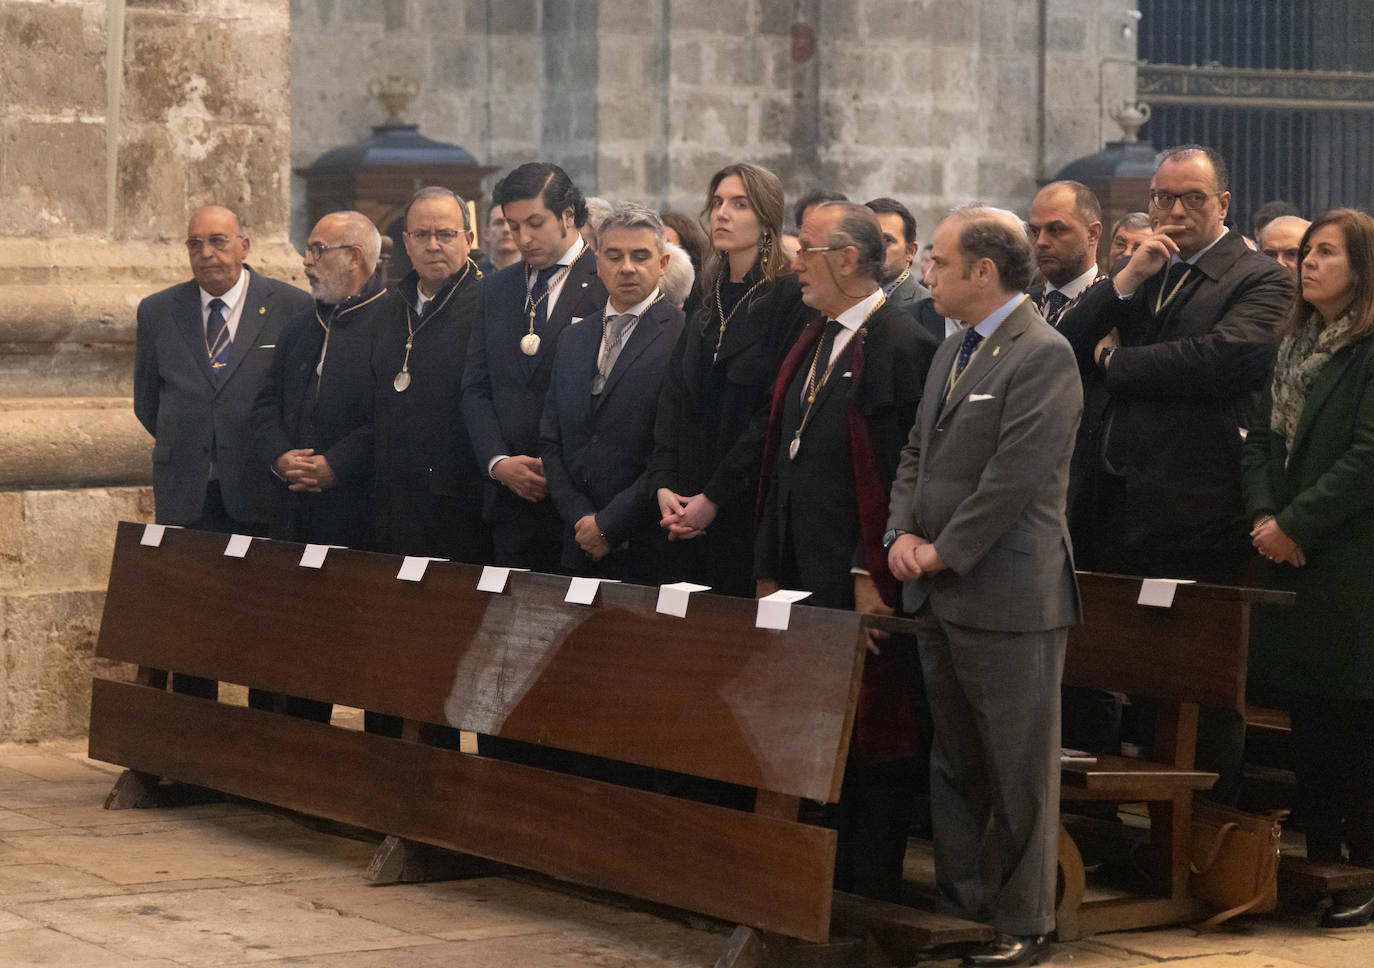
189, 319
580, 274
647, 330
257, 303
989, 355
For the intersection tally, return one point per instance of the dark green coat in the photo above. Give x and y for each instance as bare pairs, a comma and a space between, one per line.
1324, 501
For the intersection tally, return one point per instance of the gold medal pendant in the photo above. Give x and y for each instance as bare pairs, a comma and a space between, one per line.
402, 381
529, 344
794, 447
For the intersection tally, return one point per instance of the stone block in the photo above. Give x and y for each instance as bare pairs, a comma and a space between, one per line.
685, 63
775, 118
513, 16
53, 59
190, 73
716, 119
58, 190
49, 644
1066, 34
742, 63
630, 117
718, 18
888, 19
66, 537
837, 20
776, 16
247, 169
151, 186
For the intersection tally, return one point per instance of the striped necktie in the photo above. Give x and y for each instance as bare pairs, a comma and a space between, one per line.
218, 343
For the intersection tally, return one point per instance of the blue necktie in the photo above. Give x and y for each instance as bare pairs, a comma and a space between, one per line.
218, 343
539, 302
971, 340
1054, 307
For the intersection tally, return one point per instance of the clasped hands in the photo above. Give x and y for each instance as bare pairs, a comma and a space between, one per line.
522, 474
1270, 541
304, 470
912, 556
685, 517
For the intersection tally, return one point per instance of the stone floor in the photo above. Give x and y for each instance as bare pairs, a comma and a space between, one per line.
239, 884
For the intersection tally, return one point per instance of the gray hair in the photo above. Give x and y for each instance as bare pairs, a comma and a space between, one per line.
859, 227
362, 231
678, 277
1131, 221
438, 191
628, 215
597, 210
1000, 236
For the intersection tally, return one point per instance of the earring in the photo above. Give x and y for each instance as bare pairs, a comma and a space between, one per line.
765, 249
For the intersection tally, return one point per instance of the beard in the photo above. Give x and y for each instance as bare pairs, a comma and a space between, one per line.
330, 287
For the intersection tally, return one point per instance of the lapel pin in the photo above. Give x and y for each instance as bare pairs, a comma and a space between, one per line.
996, 350
262, 310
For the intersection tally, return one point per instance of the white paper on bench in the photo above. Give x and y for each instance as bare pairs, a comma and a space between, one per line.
152, 534
238, 545
582, 591
775, 610
672, 599
413, 567
313, 555
1160, 591
494, 578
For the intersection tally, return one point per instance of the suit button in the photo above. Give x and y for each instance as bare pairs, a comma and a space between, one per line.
595, 437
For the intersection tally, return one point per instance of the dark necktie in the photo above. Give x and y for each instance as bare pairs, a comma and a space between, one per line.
1173, 281
827, 346
1054, 307
539, 292
970, 343
218, 343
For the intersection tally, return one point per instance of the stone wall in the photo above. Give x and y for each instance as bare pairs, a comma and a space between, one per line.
933, 102
116, 119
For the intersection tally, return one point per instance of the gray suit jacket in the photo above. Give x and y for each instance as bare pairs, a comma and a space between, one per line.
193, 420
986, 481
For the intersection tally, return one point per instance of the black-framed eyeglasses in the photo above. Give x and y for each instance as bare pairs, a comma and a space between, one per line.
316, 250
444, 236
1192, 201
217, 242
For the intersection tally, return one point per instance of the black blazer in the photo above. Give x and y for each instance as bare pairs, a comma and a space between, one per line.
596, 449
1181, 387
191, 419
331, 414
429, 487
503, 389
811, 507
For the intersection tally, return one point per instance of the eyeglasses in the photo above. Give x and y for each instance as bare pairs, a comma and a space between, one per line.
316, 250
444, 236
1192, 201
217, 242
821, 248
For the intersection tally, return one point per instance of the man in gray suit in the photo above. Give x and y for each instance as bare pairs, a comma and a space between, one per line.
203, 349
978, 535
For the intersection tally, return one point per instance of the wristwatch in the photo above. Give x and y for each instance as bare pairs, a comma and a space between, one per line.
1105, 355
891, 536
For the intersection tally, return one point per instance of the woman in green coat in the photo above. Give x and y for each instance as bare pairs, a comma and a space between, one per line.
1309, 488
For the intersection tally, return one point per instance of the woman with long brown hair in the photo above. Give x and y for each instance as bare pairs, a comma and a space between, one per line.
1309, 489
714, 405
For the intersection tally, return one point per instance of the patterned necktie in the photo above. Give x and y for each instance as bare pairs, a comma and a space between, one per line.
827, 346
971, 340
218, 343
613, 336
1054, 307
539, 295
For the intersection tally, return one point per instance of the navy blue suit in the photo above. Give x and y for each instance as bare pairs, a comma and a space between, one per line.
503, 399
596, 448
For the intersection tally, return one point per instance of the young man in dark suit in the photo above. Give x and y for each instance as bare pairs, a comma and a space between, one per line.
598, 425
977, 532
522, 312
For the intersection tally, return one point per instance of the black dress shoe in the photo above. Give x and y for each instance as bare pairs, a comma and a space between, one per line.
1348, 911
1008, 951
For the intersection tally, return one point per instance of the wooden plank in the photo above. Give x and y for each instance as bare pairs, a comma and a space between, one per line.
399, 861
903, 934
710, 695
730, 864
1194, 651
1303, 878
1123, 774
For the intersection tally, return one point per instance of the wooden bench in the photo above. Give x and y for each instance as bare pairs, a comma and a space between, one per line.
1188, 655
710, 696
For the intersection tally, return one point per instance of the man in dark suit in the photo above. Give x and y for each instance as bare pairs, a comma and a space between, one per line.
203, 348
522, 312
312, 420
904, 289
843, 404
429, 485
598, 426
1195, 310
977, 533
1065, 226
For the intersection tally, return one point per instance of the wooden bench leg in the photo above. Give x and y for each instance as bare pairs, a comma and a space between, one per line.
750, 948
401, 861
743, 950
1074, 884
134, 790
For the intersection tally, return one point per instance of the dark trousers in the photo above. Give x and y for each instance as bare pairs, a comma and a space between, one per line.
1333, 750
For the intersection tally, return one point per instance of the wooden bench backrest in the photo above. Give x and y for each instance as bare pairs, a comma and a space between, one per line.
1191, 652
709, 695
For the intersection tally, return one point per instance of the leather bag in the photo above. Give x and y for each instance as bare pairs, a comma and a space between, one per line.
1234, 860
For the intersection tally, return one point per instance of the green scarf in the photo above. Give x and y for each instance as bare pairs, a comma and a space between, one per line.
1300, 358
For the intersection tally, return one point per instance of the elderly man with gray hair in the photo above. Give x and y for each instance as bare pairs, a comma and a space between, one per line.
597, 429
843, 404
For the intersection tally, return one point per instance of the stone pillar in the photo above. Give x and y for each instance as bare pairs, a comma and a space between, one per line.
117, 119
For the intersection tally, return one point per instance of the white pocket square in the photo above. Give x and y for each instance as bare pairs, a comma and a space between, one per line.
975, 397
575, 321
267, 346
